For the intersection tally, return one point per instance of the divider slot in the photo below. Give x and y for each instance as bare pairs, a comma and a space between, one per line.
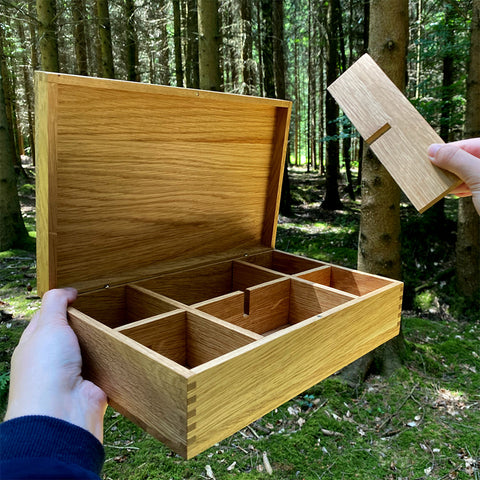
187, 338
345, 279
266, 308
121, 305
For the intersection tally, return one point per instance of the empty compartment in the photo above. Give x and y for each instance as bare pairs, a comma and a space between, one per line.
267, 308
283, 262
199, 284
187, 338
121, 305
351, 281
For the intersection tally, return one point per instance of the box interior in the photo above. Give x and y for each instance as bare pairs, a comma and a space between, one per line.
194, 316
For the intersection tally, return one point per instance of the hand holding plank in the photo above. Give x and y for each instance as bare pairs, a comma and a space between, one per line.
463, 159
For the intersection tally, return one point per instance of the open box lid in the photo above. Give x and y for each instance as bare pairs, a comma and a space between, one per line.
134, 179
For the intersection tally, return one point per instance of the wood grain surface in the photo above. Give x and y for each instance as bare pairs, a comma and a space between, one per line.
398, 135
165, 174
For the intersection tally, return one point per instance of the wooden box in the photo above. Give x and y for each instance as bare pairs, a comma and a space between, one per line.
160, 206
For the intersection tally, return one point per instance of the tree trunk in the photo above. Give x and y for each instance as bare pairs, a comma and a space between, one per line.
281, 89
468, 227
267, 49
379, 239
191, 61
12, 228
208, 45
47, 30
177, 36
78, 15
249, 81
331, 200
105, 38
131, 50
436, 214
27, 81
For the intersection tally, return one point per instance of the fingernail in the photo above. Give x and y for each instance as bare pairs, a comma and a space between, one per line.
433, 149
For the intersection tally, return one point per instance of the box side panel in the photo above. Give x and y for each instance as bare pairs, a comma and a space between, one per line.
149, 391
45, 105
280, 141
237, 391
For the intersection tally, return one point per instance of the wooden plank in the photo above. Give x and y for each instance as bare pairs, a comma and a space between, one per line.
195, 285
230, 307
208, 338
371, 101
245, 275
290, 264
45, 100
143, 304
283, 262
320, 275
308, 300
267, 305
144, 386
272, 206
165, 335
107, 306
355, 282
262, 376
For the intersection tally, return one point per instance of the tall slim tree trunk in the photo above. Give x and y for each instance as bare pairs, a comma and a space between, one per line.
191, 60
267, 53
164, 57
208, 46
365, 40
379, 239
28, 84
177, 37
249, 82
105, 39
281, 90
468, 226
78, 15
12, 228
131, 50
436, 214
331, 200
47, 31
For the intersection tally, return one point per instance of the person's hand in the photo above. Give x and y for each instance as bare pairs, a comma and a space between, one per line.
46, 370
463, 159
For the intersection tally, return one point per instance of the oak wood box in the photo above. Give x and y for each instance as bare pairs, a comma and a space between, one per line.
160, 206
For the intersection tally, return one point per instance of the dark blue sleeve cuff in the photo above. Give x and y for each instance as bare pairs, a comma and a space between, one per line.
42, 441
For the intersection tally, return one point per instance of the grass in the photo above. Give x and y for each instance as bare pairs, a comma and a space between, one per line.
421, 423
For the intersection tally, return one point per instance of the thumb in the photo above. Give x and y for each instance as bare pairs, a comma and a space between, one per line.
53, 311
454, 159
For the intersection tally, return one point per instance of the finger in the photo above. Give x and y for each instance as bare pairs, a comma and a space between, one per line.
470, 145
461, 191
54, 306
454, 159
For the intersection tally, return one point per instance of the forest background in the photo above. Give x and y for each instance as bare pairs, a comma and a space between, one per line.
337, 203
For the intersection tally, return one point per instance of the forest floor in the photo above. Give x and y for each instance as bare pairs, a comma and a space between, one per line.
421, 423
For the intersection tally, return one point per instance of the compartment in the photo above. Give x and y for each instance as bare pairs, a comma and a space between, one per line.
283, 262
187, 338
266, 308
122, 305
199, 284
351, 281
